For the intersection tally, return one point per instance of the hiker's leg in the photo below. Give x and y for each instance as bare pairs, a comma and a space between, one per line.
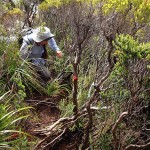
44, 72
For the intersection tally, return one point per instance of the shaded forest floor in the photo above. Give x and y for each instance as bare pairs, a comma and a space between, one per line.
44, 114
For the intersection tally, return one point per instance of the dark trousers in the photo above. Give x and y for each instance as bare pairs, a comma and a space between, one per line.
43, 71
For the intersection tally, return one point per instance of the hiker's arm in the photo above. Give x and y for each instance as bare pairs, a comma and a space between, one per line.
24, 50
52, 43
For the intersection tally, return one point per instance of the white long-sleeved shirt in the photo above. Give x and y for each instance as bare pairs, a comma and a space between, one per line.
32, 50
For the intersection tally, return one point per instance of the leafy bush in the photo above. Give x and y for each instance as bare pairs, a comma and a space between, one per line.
9, 118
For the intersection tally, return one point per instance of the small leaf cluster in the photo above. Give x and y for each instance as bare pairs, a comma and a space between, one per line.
57, 3
139, 8
15, 11
118, 5
126, 47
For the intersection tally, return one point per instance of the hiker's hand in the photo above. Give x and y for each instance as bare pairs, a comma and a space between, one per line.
59, 54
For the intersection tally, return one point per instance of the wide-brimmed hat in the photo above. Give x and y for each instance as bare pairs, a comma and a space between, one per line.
41, 33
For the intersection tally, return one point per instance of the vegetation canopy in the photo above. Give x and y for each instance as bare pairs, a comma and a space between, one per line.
98, 96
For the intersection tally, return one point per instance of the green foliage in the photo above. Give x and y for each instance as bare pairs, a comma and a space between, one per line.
57, 3
49, 3
129, 48
8, 122
104, 142
85, 87
129, 51
140, 8
17, 79
10, 58
25, 144
4, 6
59, 65
66, 108
117, 5
53, 88
21, 78
3, 44
15, 11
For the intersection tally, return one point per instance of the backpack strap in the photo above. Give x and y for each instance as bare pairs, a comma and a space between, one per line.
45, 54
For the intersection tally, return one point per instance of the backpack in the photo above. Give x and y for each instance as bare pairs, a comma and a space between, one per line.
23, 33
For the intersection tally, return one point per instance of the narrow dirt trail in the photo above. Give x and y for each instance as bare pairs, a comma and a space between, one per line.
44, 113
46, 110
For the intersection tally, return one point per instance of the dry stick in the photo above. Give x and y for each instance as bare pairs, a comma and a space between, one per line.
87, 128
54, 125
115, 128
39, 102
80, 114
72, 120
75, 85
131, 146
88, 104
37, 146
57, 138
68, 120
66, 125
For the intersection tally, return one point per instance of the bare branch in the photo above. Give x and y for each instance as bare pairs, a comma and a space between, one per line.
131, 146
56, 139
115, 128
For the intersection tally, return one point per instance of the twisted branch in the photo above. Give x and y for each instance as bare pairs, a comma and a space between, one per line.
115, 128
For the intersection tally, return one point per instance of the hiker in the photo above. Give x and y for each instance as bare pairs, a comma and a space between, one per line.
33, 49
